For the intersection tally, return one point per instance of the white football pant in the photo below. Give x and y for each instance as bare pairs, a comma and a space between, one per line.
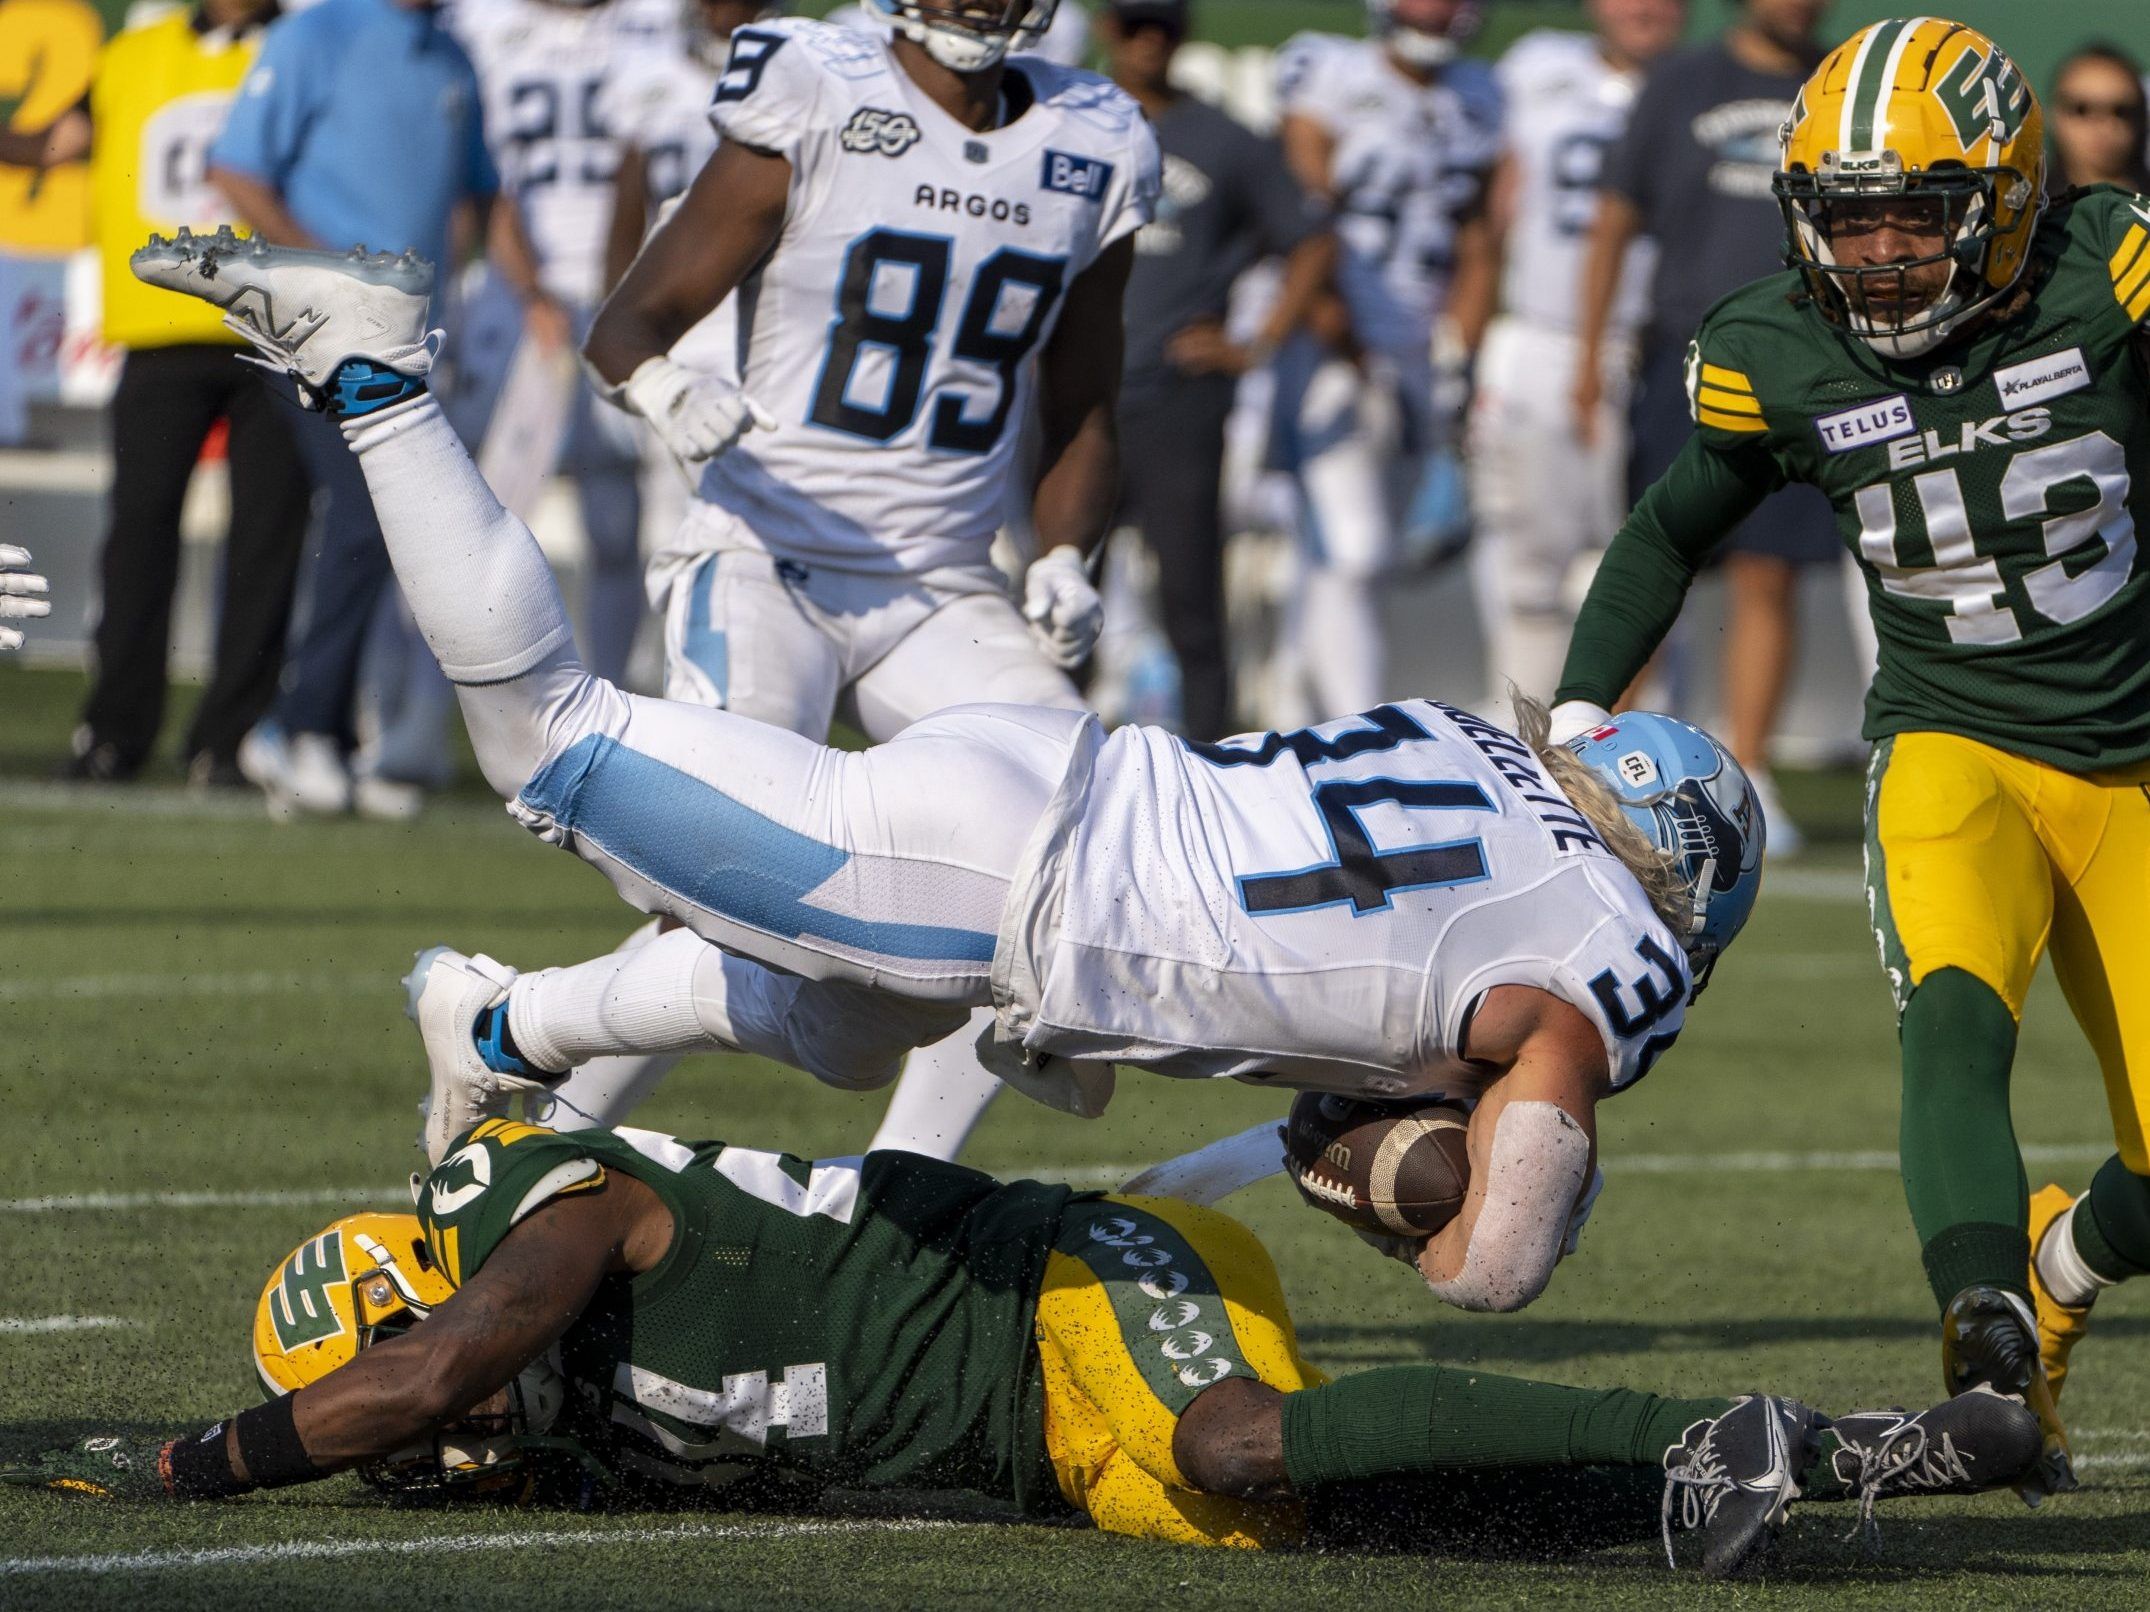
873, 886
1543, 505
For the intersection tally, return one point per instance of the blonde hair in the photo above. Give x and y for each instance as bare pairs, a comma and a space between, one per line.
1589, 794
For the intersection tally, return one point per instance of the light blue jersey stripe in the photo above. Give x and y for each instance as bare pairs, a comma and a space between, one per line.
694, 840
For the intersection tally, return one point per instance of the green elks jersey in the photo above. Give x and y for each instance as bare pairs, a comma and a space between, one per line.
864, 1324
1989, 491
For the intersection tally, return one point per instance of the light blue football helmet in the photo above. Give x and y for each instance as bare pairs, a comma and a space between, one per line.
1683, 790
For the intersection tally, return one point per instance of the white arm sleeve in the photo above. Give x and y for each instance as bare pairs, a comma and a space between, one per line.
1540, 1161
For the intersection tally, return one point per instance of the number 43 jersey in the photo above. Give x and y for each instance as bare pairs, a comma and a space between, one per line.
895, 330
1324, 908
1990, 490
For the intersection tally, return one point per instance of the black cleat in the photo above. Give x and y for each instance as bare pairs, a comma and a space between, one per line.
1734, 1479
1977, 1441
1989, 1338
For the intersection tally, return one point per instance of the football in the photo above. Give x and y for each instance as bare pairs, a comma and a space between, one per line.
1394, 1169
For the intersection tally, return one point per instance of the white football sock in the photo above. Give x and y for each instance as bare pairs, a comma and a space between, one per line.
943, 1094
474, 576
603, 1091
2061, 1266
648, 999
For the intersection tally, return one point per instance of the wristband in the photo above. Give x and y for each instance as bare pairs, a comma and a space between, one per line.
269, 1445
200, 1468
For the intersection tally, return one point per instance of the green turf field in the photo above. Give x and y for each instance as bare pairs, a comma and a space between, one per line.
205, 1059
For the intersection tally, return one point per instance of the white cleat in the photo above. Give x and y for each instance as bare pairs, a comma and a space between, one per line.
306, 312
302, 775
445, 994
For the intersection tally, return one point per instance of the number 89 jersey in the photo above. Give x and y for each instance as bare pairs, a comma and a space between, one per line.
894, 331
1990, 489
1325, 907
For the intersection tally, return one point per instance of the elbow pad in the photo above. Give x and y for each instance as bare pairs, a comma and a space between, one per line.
1539, 1164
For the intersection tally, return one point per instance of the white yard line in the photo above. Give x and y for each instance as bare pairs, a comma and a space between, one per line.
27, 1325
329, 1550
98, 987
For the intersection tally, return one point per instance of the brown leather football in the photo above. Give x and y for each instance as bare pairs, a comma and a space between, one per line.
1395, 1169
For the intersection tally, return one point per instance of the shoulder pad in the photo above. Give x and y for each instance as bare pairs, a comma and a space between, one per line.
774, 90
2113, 225
1307, 67
1087, 97
1542, 52
499, 1173
1723, 371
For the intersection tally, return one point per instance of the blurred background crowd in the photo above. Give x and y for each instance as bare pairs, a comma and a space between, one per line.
1400, 348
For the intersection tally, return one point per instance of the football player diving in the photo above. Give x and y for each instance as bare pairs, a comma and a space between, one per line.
1960, 365
622, 1311
1399, 904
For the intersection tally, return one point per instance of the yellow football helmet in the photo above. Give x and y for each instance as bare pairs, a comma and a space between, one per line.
1928, 122
369, 1277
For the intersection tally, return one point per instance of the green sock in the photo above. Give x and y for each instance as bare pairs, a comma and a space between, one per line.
2113, 1236
1445, 1418
1963, 1175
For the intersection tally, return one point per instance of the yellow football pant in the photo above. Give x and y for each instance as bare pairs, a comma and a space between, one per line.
1979, 859
1145, 1303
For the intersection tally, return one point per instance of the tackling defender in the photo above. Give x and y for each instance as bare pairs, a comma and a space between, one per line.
1406, 902
1961, 368
688, 1318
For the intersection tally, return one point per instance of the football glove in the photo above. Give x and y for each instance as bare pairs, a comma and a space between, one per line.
698, 415
1574, 717
1062, 606
22, 594
103, 1466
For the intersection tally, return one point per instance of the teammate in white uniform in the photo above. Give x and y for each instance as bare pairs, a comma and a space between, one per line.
1407, 901
1565, 99
1066, 39
924, 254
1398, 137
543, 67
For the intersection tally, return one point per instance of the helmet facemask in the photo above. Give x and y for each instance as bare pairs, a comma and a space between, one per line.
969, 38
1418, 46
487, 1452
1907, 307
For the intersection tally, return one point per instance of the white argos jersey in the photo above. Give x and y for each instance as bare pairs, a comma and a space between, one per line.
1409, 162
895, 329
1563, 108
658, 104
542, 68
1324, 908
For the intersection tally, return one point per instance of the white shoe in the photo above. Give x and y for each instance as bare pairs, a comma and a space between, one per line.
298, 775
1781, 837
445, 993
319, 781
308, 313
387, 800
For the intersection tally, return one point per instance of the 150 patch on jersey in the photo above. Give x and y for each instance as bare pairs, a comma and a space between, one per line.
1075, 176
873, 129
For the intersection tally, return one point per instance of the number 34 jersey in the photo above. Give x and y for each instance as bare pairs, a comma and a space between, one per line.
1991, 490
1324, 908
895, 330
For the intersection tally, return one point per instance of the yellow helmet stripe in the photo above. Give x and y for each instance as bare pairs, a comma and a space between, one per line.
1867, 85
